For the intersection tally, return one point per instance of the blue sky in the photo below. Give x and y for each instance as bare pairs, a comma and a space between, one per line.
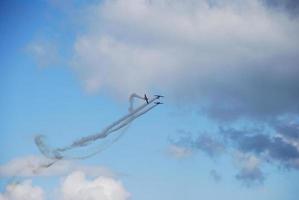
228, 70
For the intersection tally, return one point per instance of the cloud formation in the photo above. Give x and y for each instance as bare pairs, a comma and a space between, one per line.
288, 130
249, 148
22, 191
242, 53
75, 186
270, 148
291, 6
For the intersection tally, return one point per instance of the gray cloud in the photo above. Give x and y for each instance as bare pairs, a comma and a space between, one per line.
209, 145
281, 150
291, 6
288, 130
273, 148
249, 177
203, 142
254, 147
232, 60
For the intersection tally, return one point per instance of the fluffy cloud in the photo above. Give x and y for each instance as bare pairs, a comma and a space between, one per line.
22, 191
76, 186
292, 6
250, 148
242, 53
30, 166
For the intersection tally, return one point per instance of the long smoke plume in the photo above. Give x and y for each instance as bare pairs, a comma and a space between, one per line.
122, 123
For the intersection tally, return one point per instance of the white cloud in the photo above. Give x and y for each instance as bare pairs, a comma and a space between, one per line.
22, 191
30, 166
195, 51
77, 187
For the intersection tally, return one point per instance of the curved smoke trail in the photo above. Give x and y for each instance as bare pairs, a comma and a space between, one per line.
58, 153
126, 125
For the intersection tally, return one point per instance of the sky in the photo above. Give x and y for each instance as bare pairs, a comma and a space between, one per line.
229, 125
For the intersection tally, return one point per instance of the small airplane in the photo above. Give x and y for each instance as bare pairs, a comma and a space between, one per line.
158, 96
157, 103
145, 98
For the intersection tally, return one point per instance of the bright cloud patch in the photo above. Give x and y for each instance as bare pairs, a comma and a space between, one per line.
22, 191
242, 53
77, 187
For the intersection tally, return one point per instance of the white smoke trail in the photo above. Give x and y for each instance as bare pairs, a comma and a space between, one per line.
127, 123
115, 126
58, 154
86, 140
129, 120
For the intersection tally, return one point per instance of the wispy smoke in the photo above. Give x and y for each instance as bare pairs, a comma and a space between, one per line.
122, 123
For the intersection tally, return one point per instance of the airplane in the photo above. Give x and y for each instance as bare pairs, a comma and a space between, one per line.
145, 98
157, 103
158, 96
